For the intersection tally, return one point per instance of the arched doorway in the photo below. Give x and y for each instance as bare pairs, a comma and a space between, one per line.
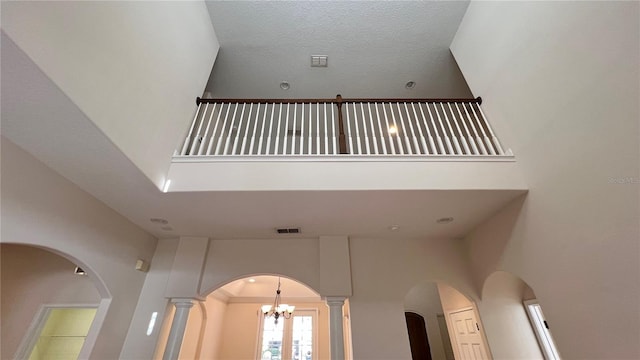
418, 339
451, 322
49, 307
232, 323
515, 319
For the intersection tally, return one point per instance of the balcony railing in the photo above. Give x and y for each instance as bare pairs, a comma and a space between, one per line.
357, 127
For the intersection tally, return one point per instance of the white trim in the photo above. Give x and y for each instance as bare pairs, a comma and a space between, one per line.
543, 335
340, 158
452, 331
37, 324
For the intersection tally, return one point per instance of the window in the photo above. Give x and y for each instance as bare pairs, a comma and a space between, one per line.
541, 328
290, 339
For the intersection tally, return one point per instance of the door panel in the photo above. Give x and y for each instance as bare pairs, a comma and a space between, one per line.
418, 339
468, 338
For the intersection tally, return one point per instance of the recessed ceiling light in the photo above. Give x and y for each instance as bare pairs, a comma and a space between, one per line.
285, 85
394, 227
444, 220
410, 85
393, 129
252, 280
159, 221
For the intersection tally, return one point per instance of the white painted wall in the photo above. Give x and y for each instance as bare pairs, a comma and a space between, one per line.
424, 299
139, 345
383, 272
559, 82
504, 317
32, 277
41, 208
134, 68
233, 259
345, 174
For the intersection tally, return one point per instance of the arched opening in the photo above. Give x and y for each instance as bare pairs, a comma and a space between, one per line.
515, 321
230, 323
453, 327
49, 307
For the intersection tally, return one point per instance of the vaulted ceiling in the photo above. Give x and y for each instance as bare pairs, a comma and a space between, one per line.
373, 48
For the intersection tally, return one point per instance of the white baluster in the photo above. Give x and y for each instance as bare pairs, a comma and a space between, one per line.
457, 122
493, 136
275, 150
238, 130
246, 130
484, 134
185, 146
364, 126
373, 131
215, 127
482, 150
386, 119
206, 131
197, 139
422, 139
453, 135
472, 143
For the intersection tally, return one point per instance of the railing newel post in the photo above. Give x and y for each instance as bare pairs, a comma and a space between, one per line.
341, 138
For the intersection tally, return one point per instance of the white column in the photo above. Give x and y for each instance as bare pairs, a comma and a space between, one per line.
336, 326
178, 326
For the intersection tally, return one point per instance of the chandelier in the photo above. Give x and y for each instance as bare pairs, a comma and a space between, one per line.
278, 310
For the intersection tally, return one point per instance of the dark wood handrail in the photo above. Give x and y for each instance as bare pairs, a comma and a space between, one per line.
336, 100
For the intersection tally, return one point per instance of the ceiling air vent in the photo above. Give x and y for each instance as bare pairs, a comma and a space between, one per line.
319, 60
288, 230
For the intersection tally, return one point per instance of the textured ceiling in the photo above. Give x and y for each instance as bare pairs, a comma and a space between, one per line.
374, 48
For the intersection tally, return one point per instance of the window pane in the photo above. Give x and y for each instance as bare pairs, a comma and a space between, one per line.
302, 338
271, 340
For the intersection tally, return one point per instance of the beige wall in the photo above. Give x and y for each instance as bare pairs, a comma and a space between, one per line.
32, 277
216, 311
559, 81
194, 333
240, 335
41, 208
505, 319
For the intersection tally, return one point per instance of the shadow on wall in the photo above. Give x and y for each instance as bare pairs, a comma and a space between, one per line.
34, 281
511, 333
487, 243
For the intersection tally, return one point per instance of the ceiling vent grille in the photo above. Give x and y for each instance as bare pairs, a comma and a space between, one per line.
288, 230
319, 60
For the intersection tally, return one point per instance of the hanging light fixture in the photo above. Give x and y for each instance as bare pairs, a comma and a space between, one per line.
278, 310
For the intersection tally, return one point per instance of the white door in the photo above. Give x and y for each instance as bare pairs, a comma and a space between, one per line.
467, 332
